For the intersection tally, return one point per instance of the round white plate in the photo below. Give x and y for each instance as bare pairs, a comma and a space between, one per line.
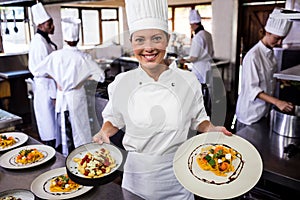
40, 186
18, 193
7, 160
206, 184
92, 148
20, 138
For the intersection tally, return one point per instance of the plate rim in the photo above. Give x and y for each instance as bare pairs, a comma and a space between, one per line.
47, 173
88, 144
18, 189
50, 150
203, 192
26, 137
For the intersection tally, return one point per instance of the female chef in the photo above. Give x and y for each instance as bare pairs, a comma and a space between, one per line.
156, 103
258, 84
45, 88
70, 68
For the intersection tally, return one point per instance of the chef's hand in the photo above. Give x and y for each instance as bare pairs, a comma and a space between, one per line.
284, 106
207, 126
101, 137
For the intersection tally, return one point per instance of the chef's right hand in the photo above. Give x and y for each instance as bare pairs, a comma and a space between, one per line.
285, 106
101, 137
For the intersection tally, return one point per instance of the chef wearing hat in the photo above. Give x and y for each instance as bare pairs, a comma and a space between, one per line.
257, 82
45, 88
70, 68
201, 55
156, 103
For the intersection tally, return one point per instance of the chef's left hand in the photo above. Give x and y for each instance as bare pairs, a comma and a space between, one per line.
101, 137
220, 129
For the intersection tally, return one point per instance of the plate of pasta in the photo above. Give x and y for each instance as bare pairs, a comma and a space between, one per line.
215, 166
10, 140
93, 164
27, 156
17, 194
55, 184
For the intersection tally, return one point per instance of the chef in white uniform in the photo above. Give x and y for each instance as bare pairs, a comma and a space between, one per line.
257, 82
71, 68
156, 103
45, 88
202, 50
201, 55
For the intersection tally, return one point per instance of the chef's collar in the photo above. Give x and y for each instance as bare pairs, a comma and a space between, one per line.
146, 78
266, 50
45, 35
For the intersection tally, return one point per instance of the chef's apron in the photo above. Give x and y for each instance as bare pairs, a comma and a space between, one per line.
160, 183
75, 102
44, 93
154, 110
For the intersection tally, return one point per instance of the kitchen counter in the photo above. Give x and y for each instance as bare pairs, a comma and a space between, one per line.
22, 179
8, 120
279, 167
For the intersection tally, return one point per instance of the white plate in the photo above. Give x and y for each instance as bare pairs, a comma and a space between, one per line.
205, 183
7, 160
92, 148
20, 138
18, 193
40, 186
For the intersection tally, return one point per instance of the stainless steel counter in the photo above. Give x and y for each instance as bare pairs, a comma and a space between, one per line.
21, 179
8, 120
279, 167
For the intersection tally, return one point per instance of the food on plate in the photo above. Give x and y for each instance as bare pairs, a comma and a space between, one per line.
95, 165
10, 198
27, 156
6, 141
63, 183
217, 158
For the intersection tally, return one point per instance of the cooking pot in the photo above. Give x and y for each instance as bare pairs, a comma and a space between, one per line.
285, 124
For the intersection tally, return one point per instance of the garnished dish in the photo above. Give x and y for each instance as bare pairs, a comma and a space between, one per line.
97, 164
17, 194
56, 184
217, 158
28, 156
94, 164
63, 183
10, 140
6, 141
10, 198
215, 166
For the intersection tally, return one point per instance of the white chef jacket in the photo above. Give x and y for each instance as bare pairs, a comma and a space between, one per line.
258, 68
45, 89
70, 68
202, 49
157, 116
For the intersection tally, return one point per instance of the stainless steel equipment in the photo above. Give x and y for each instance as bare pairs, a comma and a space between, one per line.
285, 124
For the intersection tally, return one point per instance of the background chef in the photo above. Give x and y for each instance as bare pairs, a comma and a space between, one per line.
71, 68
257, 82
156, 103
201, 55
44, 87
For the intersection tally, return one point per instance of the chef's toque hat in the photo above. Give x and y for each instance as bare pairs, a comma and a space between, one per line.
194, 17
70, 29
147, 14
278, 26
39, 14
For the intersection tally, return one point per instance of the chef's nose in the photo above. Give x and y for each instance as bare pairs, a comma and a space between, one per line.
149, 45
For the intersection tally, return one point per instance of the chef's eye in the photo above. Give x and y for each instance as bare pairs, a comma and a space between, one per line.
157, 39
139, 40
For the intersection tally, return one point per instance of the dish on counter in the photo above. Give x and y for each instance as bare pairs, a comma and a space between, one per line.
93, 164
10, 140
18, 194
41, 186
247, 167
9, 159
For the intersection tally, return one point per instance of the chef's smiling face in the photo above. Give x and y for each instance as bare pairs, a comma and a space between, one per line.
149, 47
